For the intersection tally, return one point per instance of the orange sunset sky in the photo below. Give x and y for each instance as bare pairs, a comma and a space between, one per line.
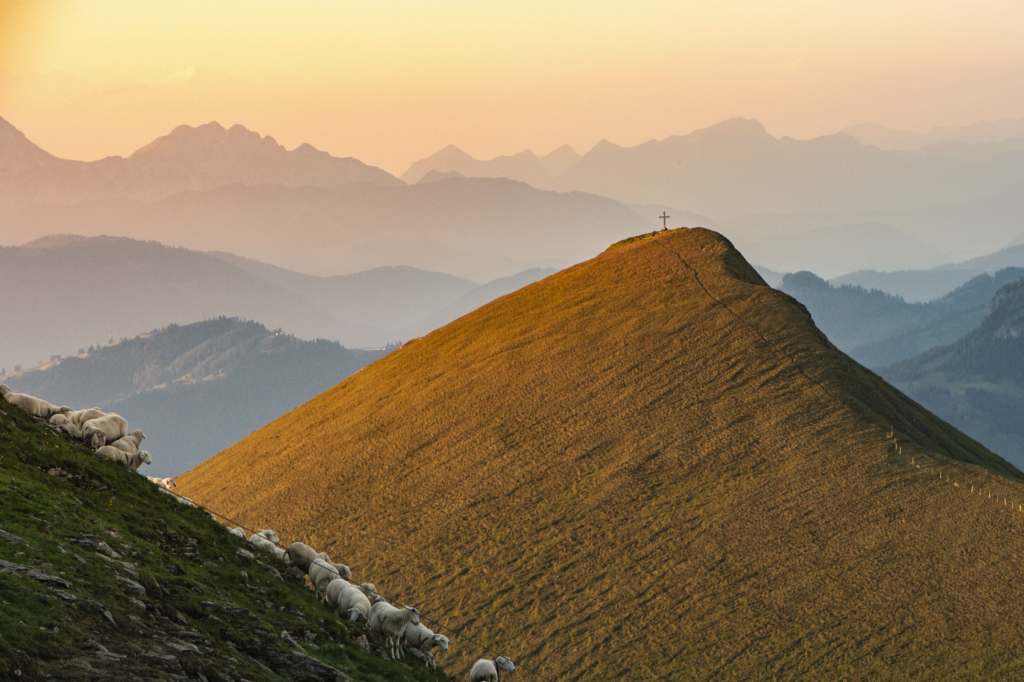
392, 81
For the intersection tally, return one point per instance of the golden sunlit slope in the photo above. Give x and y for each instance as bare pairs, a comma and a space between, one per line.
651, 466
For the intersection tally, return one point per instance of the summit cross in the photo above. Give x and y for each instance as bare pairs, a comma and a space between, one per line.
664, 220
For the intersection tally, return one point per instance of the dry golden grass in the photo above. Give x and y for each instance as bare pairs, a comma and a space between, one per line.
627, 472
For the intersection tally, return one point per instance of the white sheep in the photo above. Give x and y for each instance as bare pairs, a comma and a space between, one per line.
58, 419
36, 407
370, 590
300, 555
322, 571
333, 591
131, 442
238, 531
266, 541
133, 462
165, 483
390, 622
423, 638
352, 604
61, 421
138, 459
79, 417
112, 426
113, 453
490, 671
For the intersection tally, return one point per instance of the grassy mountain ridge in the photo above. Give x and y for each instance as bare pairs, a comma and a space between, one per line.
102, 577
652, 466
198, 388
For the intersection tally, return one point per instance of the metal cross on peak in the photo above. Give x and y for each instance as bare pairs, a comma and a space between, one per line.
664, 220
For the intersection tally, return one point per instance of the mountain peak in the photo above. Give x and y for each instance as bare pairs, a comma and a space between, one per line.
622, 412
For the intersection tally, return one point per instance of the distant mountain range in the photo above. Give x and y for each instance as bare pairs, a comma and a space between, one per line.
186, 160
877, 329
198, 388
66, 292
977, 383
981, 133
926, 285
737, 168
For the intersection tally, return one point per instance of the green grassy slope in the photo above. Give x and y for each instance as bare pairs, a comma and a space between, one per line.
133, 585
651, 466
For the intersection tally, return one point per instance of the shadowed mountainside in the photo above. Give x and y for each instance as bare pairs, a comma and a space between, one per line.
198, 388
651, 465
977, 383
877, 329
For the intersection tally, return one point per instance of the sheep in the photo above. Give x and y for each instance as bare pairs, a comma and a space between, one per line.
79, 417
165, 483
36, 407
113, 453
112, 426
423, 638
390, 622
352, 604
490, 671
131, 442
322, 571
300, 555
58, 419
138, 459
266, 541
61, 421
370, 590
72, 430
333, 591
238, 531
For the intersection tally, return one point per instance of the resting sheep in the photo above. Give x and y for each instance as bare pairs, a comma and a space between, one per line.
61, 421
389, 622
34, 406
165, 483
266, 541
112, 426
352, 604
490, 671
238, 531
423, 638
79, 417
131, 442
133, 462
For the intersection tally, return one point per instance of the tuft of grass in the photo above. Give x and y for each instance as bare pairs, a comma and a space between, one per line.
139, 586
650, 466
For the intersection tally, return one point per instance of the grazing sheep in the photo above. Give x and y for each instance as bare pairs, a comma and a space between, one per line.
333, 591
423, 638
322, 571
490, 671
113, 426
131, 442
36, 407
300, 555
390, 622
238, 531
79, 417
352, 604
370, 590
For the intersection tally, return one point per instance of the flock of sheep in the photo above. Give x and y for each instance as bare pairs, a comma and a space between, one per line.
399, 628
107, 434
